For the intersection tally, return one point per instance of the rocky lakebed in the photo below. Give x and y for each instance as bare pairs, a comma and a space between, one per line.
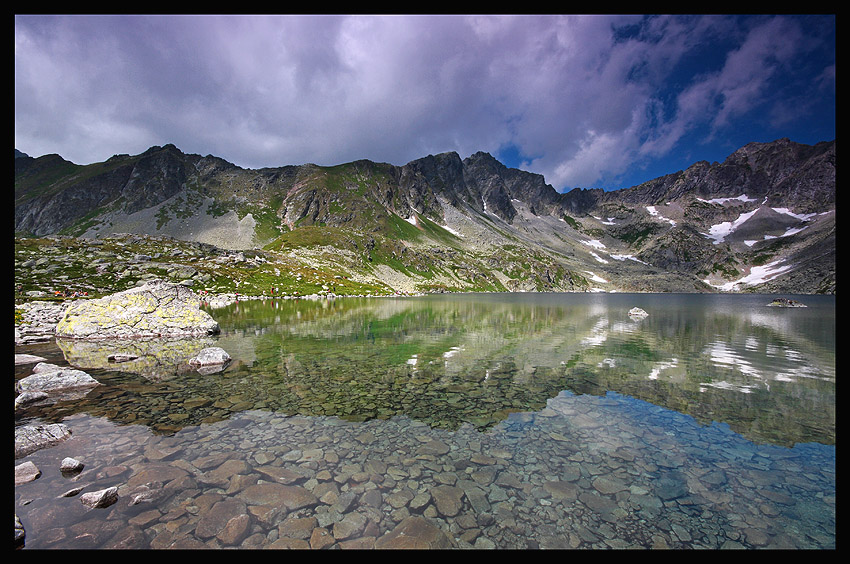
263, 479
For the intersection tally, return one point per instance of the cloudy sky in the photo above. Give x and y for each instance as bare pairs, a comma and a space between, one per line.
587, 101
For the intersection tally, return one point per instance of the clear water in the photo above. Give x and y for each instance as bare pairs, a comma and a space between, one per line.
508, 421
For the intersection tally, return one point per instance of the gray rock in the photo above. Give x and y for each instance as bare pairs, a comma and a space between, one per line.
100, 498
31, 438
27, 359
50, 378
69, 465
637, 312
72, 492
27, 398
210, 356
26, 472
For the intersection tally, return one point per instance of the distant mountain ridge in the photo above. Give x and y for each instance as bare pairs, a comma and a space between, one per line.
762, 220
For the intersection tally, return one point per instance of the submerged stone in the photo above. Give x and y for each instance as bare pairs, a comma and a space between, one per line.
26, 472
31, 438
100, 499
417, 533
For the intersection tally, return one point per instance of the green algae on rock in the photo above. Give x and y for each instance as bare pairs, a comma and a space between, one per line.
155, 309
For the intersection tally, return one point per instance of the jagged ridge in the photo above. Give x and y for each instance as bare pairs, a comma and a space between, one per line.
473, 214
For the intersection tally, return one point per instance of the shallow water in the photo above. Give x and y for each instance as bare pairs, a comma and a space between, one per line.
508, 421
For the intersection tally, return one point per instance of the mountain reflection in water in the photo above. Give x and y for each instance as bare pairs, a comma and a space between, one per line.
767, 373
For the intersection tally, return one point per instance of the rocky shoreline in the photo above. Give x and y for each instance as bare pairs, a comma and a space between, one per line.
226, 521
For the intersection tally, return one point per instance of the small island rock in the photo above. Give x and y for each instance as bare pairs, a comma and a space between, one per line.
784, 302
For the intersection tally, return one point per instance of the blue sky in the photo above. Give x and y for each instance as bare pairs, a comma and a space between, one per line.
592, 101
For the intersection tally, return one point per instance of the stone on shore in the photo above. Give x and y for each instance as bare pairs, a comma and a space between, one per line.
155, 309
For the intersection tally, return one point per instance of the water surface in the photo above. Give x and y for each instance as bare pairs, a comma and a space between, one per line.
507, 420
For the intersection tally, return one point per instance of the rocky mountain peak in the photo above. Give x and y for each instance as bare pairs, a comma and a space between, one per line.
766, 203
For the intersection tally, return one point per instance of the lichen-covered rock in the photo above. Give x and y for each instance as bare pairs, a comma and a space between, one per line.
157, 308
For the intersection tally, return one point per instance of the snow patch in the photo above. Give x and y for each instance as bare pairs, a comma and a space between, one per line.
757, 275
800, 216
742, 198
595, 243
597, 257
654, 212
627, 257
596, 277
719, 231
452, 231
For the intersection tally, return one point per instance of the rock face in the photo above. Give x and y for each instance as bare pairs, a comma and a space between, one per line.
158, 308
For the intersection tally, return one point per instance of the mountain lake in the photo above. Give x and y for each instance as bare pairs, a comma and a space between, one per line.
506, 421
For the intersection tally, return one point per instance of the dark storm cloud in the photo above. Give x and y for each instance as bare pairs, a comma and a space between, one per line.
582, 99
